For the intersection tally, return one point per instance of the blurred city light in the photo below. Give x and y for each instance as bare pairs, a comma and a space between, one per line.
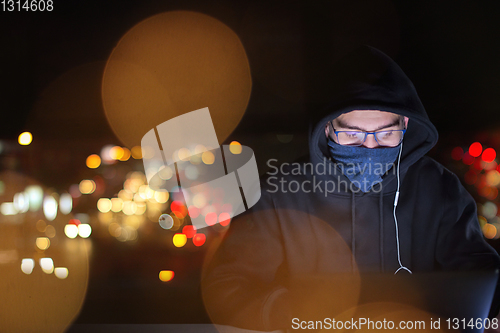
65, 203
235, 147
61, 272
50, 207
475, 149
42, 243
179, 240
93, 161
25, 138
71, 230
199, 239
47, 265
84, 230
27, 265
166, 276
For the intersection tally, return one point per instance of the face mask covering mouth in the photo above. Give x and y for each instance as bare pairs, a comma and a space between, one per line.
364, 167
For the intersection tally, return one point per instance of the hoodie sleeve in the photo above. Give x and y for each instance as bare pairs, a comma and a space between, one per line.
241, 285
460, 243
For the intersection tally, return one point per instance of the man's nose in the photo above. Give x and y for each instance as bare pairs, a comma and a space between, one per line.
370, 141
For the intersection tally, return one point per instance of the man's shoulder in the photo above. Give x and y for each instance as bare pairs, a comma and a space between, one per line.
429, 169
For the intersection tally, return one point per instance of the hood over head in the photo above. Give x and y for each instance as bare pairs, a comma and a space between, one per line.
367, 79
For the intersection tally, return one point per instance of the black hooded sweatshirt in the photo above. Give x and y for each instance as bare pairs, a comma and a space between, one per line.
298, 227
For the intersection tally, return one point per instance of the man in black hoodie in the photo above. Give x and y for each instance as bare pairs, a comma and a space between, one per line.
366, 200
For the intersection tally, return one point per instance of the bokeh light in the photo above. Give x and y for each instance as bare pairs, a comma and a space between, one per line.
87, 186
468, 158
50, 207
235, 148
27, 265
84, 230
71, 231
199, 239
65, 203
61, 272
47, 265
179, 240
189, 231
42, 243
475, 149
166, 275
25, 138
157, 72
93, 161
208, 157
489, 231
489, 155
104, 205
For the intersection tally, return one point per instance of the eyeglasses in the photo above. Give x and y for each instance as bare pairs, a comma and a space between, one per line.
391, 138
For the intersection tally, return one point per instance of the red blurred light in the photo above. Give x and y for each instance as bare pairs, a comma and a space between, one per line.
211, 218
457, 153
475, 149
189, 231
193, 211
470, 177
489, 155
178, 209
468, 159
199, 239
75, 222
224, 219
478, 165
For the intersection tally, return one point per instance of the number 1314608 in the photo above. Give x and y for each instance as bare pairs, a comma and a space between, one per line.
27, 5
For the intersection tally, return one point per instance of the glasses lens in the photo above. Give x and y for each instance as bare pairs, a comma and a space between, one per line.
389, 138
352, 138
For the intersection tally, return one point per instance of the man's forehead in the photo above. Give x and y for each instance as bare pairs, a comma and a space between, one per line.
368, 114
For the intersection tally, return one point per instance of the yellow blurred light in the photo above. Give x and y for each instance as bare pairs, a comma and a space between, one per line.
165, 173
42, 243
184, 154
93, 161
50, 231
235, 147
489, 231
137, 152
162, 197
104, 205
116, 152
114, 229
105, 218
71, 231
129, 207
125, 195
208, 158
87, 186
141, 208
41, 225
493, 178
166, 276
61, 272
126, 155
199, 200
116, 204
179, 240
25, 138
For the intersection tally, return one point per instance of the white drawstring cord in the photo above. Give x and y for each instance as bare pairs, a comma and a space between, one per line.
396, 198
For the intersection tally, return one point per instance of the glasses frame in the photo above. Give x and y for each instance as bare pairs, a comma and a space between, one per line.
366, 135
